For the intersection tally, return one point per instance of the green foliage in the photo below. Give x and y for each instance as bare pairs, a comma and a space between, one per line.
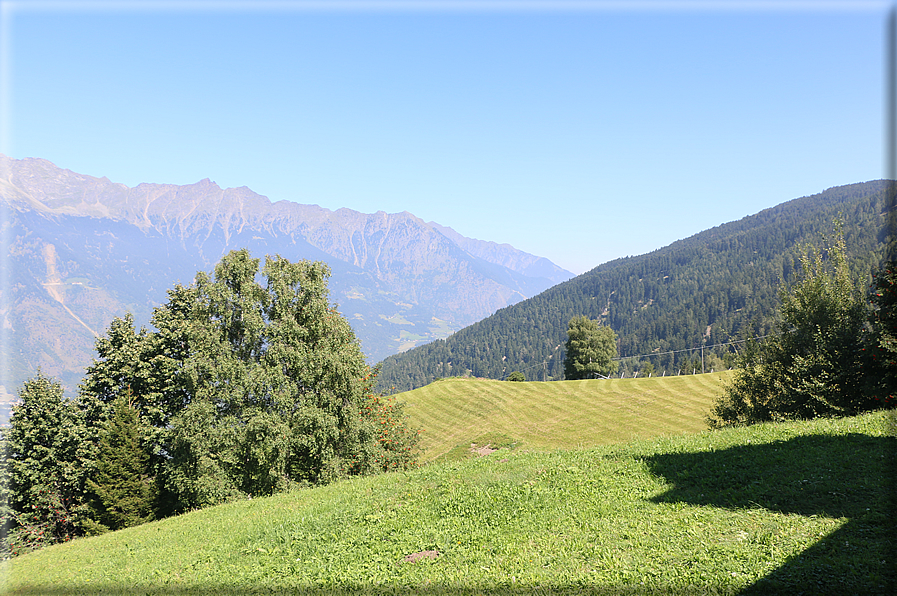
590, 349
49, 455
717, 286
121, 490
780, 508
812, 367
249, 388
882, 348
399, 443
244, 390
516, 376
204, 466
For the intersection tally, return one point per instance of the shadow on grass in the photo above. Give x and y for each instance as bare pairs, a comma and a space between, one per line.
848, 476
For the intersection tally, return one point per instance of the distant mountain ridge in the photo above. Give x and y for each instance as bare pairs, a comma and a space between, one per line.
84, 249
505, 255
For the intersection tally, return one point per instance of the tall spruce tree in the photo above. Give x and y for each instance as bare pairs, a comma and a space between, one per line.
882, 349
812, 367
121, 491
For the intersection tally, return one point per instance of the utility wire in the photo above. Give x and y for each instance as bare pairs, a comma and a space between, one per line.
728, 343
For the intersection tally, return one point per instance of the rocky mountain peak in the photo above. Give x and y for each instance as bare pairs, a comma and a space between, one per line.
399, 281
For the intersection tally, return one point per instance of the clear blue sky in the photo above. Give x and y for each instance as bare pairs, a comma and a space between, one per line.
578, 131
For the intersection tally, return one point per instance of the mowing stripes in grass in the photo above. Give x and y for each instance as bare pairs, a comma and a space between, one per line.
561, 414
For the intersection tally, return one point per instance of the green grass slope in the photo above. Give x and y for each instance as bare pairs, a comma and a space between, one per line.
457, 413
777, 508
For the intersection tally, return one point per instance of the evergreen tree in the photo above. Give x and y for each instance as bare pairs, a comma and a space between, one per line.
590, 349
247, 388
882, 349
49, 454
812, 367
121, 490
726, 278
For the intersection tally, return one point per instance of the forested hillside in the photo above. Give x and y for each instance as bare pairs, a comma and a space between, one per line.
712, 288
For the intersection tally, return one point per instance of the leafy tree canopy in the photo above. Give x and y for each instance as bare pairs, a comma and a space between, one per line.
590, 349
245, 388
248, 386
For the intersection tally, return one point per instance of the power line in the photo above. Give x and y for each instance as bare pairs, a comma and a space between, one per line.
542, 364
728, 343
620, 358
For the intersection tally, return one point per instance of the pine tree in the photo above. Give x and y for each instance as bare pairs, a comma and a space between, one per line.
812, 367
882, 349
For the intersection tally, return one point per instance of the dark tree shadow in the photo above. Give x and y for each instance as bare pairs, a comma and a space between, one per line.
832, 476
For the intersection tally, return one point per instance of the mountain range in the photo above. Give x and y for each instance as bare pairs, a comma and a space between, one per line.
82, 250
423, 299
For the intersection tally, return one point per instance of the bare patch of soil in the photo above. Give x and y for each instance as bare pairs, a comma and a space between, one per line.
481, 451
424, 554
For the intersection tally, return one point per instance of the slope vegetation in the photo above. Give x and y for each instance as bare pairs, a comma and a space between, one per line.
709, 289
772, 509
458, 414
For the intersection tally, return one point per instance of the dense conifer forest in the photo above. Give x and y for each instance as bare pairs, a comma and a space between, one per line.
707, 291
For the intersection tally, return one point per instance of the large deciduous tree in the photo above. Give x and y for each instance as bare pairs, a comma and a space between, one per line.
247, 388
590, 349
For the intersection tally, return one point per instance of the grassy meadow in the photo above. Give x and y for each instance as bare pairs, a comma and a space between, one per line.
783, 508
458, 412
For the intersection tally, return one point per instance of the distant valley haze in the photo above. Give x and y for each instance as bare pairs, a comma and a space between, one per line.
81, 251
578, 131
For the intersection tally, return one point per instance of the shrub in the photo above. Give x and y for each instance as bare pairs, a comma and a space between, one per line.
812, 367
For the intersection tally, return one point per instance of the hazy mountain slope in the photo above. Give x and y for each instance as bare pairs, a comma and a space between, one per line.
507, 256
83, 250
719, 285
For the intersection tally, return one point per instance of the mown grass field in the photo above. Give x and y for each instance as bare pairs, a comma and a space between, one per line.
786, 508
455, 413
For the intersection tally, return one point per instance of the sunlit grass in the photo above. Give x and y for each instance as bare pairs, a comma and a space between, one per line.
559, 415
778, 508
